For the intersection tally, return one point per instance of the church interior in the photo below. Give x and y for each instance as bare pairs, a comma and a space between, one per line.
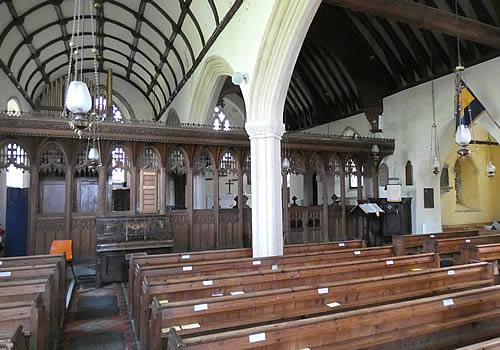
249, 174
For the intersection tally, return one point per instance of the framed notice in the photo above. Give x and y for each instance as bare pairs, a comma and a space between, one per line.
428, 198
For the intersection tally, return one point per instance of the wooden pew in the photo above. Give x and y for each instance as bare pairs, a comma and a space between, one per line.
211, 255
208, 286
169, 271
492, 344
427, 323
404, 244
450, 246
13, 340
29, 314
482, 252
35, 272
26, 290
230, 312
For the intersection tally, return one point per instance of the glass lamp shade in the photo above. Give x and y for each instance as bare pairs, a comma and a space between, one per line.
78, 100
436, 165
491, 169
285, 164
93, 157
463, 136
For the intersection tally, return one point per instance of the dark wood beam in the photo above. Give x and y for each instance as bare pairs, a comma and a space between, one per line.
426, 17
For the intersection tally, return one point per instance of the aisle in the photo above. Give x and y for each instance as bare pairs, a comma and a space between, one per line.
97, 319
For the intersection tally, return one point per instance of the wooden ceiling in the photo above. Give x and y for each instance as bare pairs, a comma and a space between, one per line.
357, 52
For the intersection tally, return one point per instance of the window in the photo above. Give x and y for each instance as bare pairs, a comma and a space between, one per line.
220, 121
119, 163
13, 107
101, 106
353, 174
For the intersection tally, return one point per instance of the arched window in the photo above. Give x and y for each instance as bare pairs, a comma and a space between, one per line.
120, 180
15, 160
101, 105
13, 107
352, 170
220, 121
383, 175
350, 132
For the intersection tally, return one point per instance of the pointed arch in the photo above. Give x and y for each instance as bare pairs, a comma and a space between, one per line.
210, 81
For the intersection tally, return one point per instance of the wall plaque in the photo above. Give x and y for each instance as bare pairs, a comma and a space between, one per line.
428, 198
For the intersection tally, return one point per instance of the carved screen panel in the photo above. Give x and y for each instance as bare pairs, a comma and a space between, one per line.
52, 197
87, 194
149, 191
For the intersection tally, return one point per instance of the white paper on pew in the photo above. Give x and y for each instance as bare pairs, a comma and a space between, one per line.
1, 262
341, 244
191, 326
322, 290
451, 272
5, 274
448, 302
164, 301
257, 262
274, 267
389, 262
334, 304
432, 236
187, 268
165, 330
217, 294
306, 349
201, 307
467, 241
357, 252
240, 292
256, 337
208, 283
186, 256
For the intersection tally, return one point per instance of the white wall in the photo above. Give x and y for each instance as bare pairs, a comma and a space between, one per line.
238, 44
407, 118
7, 91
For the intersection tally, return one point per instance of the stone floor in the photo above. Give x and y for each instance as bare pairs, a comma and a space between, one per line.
97, 318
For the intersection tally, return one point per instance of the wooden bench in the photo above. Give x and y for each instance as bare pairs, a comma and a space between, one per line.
453, 246
426, 323
26, 290
31, 315
161, 259
209, 315
492, 344
482, 252
25, 273
13, 340
257, 281
404, 244
169, 271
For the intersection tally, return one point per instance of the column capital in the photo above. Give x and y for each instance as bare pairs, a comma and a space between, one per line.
263, 129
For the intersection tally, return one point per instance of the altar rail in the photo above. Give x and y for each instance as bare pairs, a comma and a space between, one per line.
305, 225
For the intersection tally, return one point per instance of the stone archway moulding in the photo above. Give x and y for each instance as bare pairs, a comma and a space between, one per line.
208, 84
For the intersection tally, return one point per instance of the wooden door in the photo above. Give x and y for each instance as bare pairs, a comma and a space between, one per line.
149, 191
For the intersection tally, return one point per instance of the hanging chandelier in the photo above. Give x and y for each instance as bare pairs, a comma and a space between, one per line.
435, 162
78, 102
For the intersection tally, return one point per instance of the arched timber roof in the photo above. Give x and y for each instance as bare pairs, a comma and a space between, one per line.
154, 45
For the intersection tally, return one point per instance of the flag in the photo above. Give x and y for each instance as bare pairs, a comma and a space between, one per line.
469, 107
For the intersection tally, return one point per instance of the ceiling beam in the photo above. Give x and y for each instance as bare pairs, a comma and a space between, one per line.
426, 17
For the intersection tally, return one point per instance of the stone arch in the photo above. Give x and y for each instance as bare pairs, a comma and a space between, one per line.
278, 53
210, 81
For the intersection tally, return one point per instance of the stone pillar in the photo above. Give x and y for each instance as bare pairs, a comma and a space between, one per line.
102, 192
162, 189
33, 209
68, 204
267, 224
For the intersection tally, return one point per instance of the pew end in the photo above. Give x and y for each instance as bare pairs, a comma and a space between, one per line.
174, 341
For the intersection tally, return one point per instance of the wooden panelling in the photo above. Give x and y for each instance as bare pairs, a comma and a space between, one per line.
47, 229
203, 230
83, 234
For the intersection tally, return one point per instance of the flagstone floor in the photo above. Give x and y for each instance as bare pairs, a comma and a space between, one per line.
97, 318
